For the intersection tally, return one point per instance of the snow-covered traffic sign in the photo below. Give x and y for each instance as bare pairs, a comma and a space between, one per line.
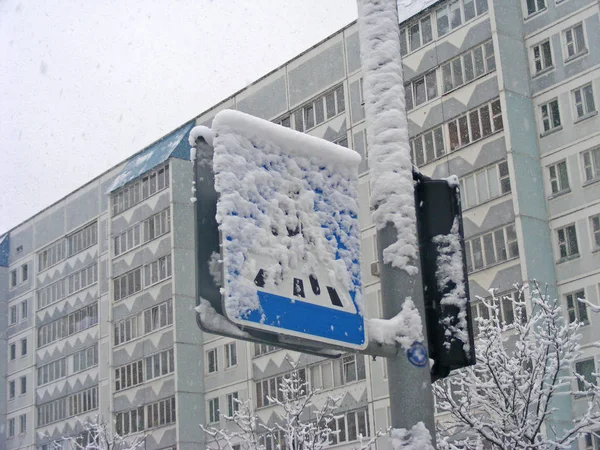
287, 213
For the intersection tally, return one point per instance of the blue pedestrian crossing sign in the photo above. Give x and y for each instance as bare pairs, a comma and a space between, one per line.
290, 238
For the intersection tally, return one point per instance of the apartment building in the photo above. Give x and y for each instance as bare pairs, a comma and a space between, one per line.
97, 291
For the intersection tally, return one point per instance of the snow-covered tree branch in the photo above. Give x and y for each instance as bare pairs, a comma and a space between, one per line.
294, 401
95, 435
506, 399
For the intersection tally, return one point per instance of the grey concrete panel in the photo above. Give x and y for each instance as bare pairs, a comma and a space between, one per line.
142, 256
182, 176
168, 438
267, 102
183, 234
140, 212
21, 237
519, 118
82, 298
506, 278
144, 395
51, 226
356, 109
140, 348
74, 383
74, 263
316, 74
450, 107
82, 209
528, 173
353, 52
359, 146
475, 290
491, 152
536, 247
508, 18
438, 54
331, 134
103, 240
497, 216
514, 64
142, 301
103, 276
105, 196
189, 360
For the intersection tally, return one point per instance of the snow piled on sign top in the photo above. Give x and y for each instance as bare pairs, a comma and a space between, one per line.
417, 438
290, 199
392, 194
410, 8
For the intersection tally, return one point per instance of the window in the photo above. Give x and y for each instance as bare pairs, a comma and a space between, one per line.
24, 273
591, 164
491, 248
542, 56
213, 410
158, 316
415, 35
212, 362
157, 225
127, 240
161, 413
353, 368
232, 403
13, 351
83, 239
52, 293
475, 125
550, 116
427, 147
467, 67
24, 311
484, 185
86, 358
230, 355
23, 346
130, 421
448, 17
160, 364
157, 270
83, 278
22, 423
595, 222
13, 278
567, 242
12, 390
559, 180
534, 6
137, 191
586, 370
52, 371
316, 112
421, 90
65, 326
127, 284
69, 406
574, 41
11, 427
126, 330
263, 349
584, 101
350, 426
12, 315
577, 310
129, 375
52, 255
23, 385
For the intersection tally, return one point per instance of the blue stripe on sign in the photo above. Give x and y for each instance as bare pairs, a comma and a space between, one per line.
309, 319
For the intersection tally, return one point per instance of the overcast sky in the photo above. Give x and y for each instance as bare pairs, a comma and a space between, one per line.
85, 84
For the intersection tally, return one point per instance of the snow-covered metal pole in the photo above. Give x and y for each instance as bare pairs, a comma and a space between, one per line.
392, 197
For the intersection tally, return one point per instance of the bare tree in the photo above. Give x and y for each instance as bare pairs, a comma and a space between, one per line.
506, 399
291, 432
95, 435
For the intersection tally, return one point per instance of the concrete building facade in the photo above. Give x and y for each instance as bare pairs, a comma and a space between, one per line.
97, 290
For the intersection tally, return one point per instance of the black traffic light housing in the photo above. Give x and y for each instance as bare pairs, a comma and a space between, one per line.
437, 204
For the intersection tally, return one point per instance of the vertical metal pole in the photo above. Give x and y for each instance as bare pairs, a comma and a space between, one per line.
411, 397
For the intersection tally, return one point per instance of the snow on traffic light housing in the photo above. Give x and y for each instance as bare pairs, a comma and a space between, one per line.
445, 282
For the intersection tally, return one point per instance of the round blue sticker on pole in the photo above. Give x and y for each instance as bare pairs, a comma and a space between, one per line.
417, 354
